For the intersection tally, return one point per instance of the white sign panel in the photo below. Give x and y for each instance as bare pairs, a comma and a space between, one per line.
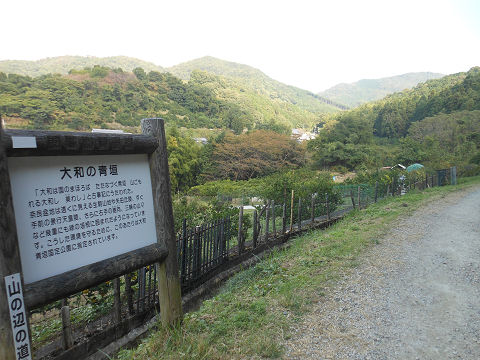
24, 142
73, 211
18, 316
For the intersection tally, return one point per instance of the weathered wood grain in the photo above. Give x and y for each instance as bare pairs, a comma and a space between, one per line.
169, 288
9, 253
56, 287
117, 304
51, 143
67, 335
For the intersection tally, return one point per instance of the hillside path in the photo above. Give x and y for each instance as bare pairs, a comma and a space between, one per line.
416, 295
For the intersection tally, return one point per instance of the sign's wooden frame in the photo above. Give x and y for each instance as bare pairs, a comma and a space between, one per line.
56, 143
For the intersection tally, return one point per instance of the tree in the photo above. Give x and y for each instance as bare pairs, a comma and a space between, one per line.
254, 154
140, 73
183, 160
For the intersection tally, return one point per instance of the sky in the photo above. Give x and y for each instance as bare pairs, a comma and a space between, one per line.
309, 44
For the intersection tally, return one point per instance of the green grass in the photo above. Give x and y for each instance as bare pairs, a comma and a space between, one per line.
254, 311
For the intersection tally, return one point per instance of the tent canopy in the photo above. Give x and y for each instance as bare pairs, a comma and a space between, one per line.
414, 167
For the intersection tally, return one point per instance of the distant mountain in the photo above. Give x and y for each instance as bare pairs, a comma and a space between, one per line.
247, 76
367, 90
63, 64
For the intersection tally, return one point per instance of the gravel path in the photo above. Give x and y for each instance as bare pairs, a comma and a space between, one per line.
415, 296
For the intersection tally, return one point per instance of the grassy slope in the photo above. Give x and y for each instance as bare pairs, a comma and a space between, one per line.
252, 314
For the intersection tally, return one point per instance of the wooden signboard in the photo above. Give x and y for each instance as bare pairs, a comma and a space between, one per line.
78, 209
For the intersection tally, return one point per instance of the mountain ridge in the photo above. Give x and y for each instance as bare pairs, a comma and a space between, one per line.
366, 90
245, 75
339, 97
63, 64
260, 82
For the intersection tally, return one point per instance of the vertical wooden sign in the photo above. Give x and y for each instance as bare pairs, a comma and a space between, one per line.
169, 289
9, 254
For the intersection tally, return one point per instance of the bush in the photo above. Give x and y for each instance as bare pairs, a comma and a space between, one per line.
198, 212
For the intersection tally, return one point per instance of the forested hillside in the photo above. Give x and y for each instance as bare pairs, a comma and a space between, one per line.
367, 90
249, 77
63, 64
102, 97
411, 126
436, 122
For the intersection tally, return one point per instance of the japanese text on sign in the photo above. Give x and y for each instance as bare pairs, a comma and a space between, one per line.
73, 211
18, 317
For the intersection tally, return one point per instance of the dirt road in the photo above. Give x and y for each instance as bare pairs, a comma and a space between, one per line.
416, 295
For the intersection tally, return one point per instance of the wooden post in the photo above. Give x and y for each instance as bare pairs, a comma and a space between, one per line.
328, 206
353, 199
67, 338
141, 290
129, 291
241, 243
267, 220
313, 208
117, 305
274, 227
358, 196
169, 290
291, 213
9, 254
255, 235
299, 213
376, 190
149, 291
284, 218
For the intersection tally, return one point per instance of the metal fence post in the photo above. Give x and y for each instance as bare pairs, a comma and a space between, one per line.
267, 220
240, 239
313, 208
291, 213
255, 234
358, 196
299, 213
274, 226
327, 206
184, 245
